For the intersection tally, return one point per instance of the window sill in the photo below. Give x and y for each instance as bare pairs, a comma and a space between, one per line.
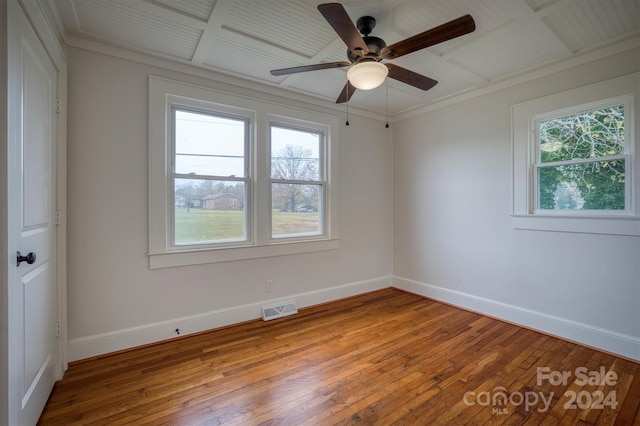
608, 225
199, 257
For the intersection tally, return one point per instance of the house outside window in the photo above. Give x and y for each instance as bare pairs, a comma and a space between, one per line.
210, 170
297, 181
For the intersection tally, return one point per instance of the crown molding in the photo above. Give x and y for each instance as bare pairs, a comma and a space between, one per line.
242, 84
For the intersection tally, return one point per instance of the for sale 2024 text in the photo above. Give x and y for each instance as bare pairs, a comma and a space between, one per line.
583, 399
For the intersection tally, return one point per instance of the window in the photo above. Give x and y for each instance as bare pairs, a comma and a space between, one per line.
581, 160
574, 160
297, 182
233, 177
210, 176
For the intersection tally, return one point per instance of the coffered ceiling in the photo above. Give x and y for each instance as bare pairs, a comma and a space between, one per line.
248, 38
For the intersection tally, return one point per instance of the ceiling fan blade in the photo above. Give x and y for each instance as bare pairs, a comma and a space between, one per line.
314, 67
409, 77
348, 89
452, 29
338, 18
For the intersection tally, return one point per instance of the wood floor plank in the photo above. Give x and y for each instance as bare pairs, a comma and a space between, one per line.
630, 402
386, 357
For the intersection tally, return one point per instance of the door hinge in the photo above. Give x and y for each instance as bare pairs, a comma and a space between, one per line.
57, 105
57, 217
58, 332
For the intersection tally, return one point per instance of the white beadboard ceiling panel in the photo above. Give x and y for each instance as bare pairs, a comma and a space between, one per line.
199, 9
451, 77
248, 38
521, 50
298, 26
536, 5
337, 54
121, 24
230, 55
415, 17
586, 24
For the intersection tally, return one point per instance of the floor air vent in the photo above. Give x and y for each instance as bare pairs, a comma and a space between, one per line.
279, 311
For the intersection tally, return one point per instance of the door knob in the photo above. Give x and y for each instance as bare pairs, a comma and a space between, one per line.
29, 258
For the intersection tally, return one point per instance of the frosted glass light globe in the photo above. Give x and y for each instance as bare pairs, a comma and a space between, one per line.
367, 75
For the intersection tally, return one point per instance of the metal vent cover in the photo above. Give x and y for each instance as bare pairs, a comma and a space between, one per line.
278, 311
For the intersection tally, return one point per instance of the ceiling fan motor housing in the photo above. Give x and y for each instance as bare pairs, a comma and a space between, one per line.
365, 25
374, 44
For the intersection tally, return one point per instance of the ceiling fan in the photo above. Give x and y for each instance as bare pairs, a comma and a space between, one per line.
366, 52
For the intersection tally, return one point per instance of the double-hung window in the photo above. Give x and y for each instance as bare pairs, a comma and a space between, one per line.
575, 160
581, 159
210, 176
297, 181
234, 177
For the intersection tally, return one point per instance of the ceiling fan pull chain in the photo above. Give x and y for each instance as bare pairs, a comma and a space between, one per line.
347, 123
386, 89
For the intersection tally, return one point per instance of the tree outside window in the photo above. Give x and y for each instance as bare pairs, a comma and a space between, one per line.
297, 182
582, 161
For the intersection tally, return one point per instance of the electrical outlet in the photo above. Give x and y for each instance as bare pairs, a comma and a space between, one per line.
269, 286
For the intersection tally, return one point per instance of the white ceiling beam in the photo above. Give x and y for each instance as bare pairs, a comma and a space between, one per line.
171, 15
214, 26
265, 46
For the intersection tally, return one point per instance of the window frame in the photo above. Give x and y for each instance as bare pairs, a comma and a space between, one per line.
321, 130
247, 178
164, 94
524, 118
626, 101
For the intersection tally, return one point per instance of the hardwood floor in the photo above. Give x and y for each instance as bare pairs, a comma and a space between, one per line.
382, 358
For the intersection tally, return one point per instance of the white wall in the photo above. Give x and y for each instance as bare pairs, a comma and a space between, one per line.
114, 300
453, 237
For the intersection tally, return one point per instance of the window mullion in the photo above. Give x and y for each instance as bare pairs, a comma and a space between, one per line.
581, 161
297, 182
210, 177
260, 164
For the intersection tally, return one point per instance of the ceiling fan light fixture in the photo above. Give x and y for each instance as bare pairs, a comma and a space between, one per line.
367, 75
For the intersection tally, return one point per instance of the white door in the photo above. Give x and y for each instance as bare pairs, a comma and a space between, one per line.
31, 220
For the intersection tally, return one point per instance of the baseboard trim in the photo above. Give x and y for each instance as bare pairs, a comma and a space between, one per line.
606, 340
598, 338
118, 340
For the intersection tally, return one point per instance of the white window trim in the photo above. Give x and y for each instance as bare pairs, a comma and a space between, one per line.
163, 93
523, 122
627, 102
